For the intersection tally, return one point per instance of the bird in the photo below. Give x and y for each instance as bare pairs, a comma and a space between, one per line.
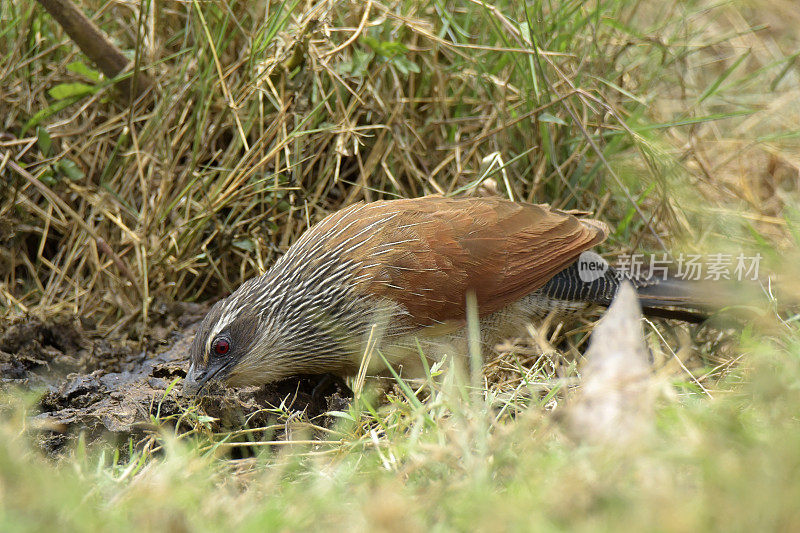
394, 276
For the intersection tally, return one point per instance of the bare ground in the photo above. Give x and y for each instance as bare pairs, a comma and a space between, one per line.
114, 392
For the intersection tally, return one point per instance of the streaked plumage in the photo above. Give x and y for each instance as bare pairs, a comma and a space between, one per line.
397, 272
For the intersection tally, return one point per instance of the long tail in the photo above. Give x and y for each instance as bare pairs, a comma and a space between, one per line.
674, 298
660, 297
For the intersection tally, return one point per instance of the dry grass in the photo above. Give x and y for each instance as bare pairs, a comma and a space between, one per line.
201, 186
266, 118
674, 121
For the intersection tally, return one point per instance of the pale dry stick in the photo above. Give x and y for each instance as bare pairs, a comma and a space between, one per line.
365, 361
144, 215
335, 75
30, 60
376, 152
77, 130
388, 171
355, 35
10, 297
234, 183
448, 159
510, 26
92, 133
445, 100
243, 170
387, 462
472, 152
574, 156
218, 65
52, 198
721, 366
127, 472
29, 143
70, 256
455, 46
117, 221
524, 381
287, 147
34, 272
674, 355
366, 169
45, 230
748, 216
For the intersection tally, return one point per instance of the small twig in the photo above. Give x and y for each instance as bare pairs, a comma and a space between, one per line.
678, 359
355, 35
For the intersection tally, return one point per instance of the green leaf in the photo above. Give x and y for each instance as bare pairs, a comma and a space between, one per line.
341, 414
69, 169
686, 121
44, 141
372, 42
387, 49
170, 387
71, 90
547, 117
525, 31
357, 65
712, 89
47, 178
42, 114
405, 65
80, 68
245, 244
391, 49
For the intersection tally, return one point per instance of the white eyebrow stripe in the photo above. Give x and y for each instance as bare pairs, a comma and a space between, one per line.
227, 316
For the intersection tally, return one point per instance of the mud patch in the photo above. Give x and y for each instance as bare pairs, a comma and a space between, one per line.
124, 391
132, 404
32, 350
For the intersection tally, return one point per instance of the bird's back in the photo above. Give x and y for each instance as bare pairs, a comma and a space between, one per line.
426, 254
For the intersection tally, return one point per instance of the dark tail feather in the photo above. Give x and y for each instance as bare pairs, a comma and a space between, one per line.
664, 298
674, 298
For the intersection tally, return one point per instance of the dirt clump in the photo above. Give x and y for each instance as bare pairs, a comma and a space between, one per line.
145, 397
121, 390
32, 350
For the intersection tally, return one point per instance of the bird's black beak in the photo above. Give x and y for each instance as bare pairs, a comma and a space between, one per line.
191, 383
197, 378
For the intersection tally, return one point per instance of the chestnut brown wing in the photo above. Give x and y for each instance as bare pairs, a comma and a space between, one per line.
427, 253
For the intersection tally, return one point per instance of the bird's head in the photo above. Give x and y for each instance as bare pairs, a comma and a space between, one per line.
223, 342
267, 331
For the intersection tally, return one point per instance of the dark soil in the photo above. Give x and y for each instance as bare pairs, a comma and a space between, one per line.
121, 392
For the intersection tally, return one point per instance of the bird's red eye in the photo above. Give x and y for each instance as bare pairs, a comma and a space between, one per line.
221, 346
